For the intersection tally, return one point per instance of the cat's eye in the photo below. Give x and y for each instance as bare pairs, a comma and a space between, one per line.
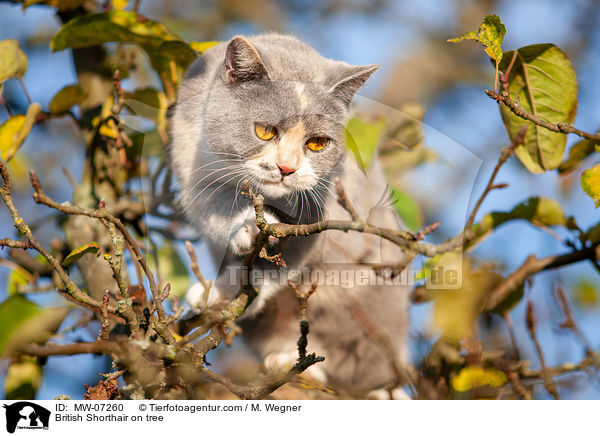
265, 132
317, 143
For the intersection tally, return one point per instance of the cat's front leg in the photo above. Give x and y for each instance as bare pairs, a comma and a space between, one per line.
244, 231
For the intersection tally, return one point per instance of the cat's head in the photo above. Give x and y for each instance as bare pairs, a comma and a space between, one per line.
287, 126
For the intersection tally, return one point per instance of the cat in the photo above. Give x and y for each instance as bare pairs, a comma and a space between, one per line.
271, 110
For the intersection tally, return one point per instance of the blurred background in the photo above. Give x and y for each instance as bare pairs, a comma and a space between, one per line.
462, 126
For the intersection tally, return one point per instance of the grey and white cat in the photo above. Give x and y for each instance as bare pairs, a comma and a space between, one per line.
271, 110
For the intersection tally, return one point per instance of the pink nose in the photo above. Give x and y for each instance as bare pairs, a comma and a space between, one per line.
285, 171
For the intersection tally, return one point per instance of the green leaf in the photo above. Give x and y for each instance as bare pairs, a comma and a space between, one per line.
154, 105
179, 51
17, 277
66, 98
14, 131
472, 377
539, 211
23, 379
490, 34
577, 153
590, 182
13, 61
76, 254
172, 270
24, 322
362, 138
61, 5
408, 209
543, 82
113, 26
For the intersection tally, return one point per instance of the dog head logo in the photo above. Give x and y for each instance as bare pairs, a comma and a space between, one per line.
26, 415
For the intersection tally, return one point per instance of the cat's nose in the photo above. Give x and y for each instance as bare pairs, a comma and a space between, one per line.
285, 171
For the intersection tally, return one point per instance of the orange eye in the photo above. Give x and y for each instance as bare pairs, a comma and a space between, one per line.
265, 132
317, 144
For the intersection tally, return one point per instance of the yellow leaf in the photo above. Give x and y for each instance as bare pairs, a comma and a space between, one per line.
66, 98
458, 293
475, 376
490, 34
14, 131
13, 61
119, 4
203, 46
590, 182
23, 379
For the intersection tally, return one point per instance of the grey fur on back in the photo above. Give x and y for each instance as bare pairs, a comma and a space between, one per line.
279, 81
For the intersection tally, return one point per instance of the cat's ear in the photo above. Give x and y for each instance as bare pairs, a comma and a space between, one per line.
242, 62
353, 78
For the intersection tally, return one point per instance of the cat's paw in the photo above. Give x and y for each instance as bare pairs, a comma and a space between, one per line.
242, 240
199, 298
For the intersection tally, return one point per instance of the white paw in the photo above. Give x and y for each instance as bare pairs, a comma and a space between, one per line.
199, 299
244, 234
242, 239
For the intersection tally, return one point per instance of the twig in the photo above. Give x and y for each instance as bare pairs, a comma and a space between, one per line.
569, 322
104, 322
504, 98
533, 265
41, 198
207, 285
515, 382
6, 242
504, 155
69, 349
25, 91
381, 338
549, 383
343, 200
304, 360
398, 237
71, 288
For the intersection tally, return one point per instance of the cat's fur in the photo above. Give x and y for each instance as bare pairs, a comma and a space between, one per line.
280, 81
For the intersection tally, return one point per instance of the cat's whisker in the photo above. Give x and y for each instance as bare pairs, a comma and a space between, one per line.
223, 184
231, 167
214, 162
319, 183
221, 152
208, 186
236, 195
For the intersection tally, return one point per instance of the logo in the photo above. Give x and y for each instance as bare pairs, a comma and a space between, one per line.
26, 415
